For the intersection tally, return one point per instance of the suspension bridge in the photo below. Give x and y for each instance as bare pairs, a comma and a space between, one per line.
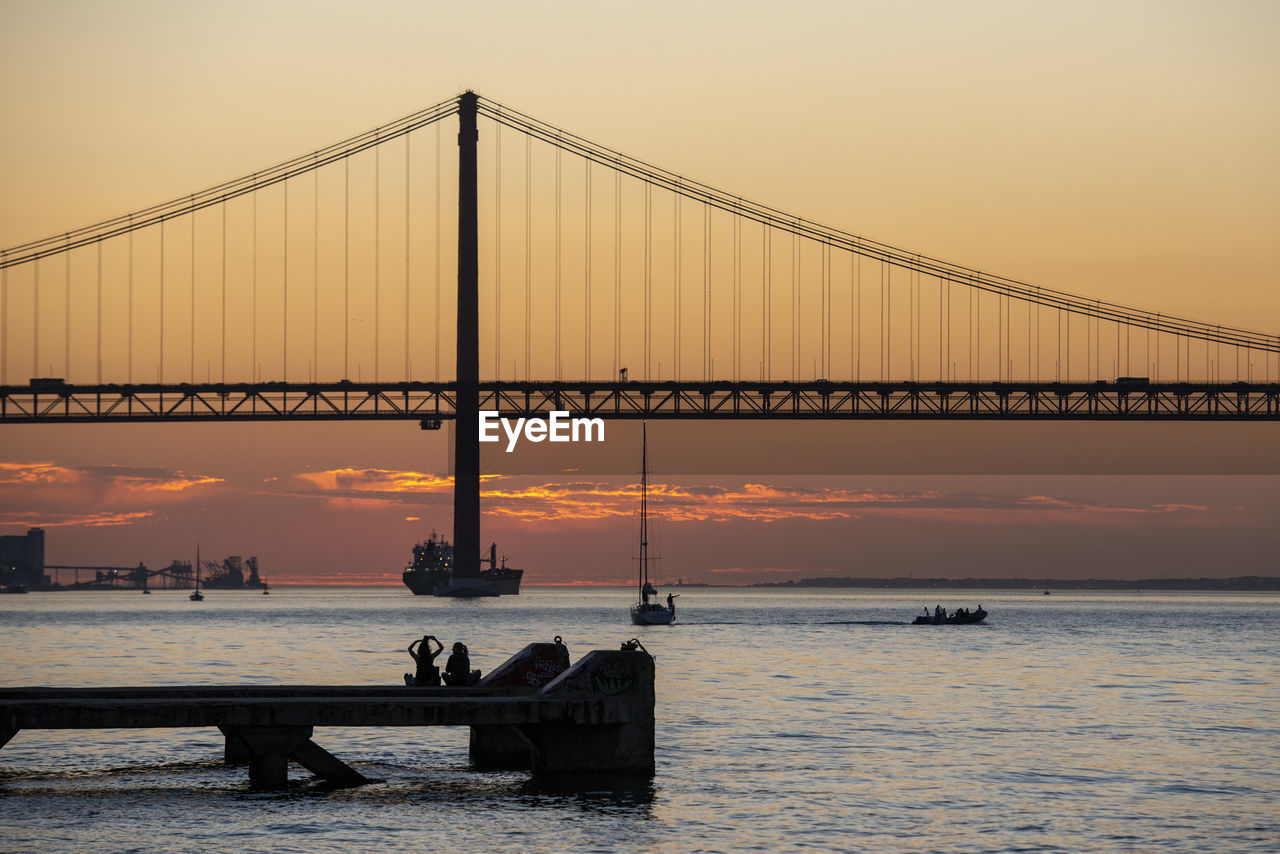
598, 283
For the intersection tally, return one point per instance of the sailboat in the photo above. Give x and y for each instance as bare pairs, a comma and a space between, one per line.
644, 612
197, 596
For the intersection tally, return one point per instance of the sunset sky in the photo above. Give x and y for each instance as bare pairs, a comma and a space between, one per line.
1124, 152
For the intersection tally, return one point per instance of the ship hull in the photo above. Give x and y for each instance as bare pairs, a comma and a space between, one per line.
425, 582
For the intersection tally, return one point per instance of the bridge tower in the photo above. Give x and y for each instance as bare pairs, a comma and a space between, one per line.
466, 459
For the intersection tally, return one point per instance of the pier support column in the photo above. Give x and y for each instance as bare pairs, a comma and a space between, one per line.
268, 750
500, 748
624, 745
234, 750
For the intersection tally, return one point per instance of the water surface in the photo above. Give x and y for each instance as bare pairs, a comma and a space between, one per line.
787, 720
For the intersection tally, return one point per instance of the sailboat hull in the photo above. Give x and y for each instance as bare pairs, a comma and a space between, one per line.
651, 615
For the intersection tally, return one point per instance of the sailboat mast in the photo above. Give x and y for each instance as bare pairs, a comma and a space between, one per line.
644, 502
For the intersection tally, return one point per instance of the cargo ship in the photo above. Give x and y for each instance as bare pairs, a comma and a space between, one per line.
431, 573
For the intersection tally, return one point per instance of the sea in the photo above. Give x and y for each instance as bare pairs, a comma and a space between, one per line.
787, 720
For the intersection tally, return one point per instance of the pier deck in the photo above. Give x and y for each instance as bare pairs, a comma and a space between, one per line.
595, 716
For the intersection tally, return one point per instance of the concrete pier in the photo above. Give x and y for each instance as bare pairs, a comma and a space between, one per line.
533, 712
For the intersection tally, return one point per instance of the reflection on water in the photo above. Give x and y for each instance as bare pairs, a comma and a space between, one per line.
785, 720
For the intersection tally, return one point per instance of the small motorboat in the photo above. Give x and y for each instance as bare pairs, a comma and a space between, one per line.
959, 617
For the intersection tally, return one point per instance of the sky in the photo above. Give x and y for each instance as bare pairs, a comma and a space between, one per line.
1123, 152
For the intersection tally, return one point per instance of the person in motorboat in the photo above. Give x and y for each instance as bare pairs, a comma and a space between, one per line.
457, 670
426, 672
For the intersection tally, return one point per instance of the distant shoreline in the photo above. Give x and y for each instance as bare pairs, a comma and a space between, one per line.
1241, 582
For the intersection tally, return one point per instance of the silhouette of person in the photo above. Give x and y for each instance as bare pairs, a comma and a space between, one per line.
457, 670
671, 603
426, 672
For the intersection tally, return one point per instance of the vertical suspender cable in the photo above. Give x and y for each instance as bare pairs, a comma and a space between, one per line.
528, 257
648, 272
346, 270
881, 344
911, 323
768, 303
999, 338
222, 353
795, 307
497, 249
66, 315
284, 326
193, 296
678, 201
98, 336
855, 345
586, 275
253, 350
315, 276
408, 242
969, 329
437, 256
160, 369
798, 292
617, 269
35, 334
129, 336
377, 258
706, 292
252, 364
4, 323
559, 246
826, 309
949, 367
888, 323
737, 295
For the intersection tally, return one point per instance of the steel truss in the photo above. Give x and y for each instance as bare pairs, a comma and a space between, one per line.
433, 403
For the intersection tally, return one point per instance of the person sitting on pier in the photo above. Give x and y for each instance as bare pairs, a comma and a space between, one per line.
427, 673
457, 670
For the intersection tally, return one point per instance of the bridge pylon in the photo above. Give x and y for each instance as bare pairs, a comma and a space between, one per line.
466, 454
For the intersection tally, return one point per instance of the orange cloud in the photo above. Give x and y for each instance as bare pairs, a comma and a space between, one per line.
518, 500
104, 519
376, 480
49, 494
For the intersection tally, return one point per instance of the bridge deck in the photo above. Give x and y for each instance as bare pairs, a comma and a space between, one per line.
432, 403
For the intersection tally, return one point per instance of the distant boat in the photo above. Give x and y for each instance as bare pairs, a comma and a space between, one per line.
644, 612
956, 618
197, 596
